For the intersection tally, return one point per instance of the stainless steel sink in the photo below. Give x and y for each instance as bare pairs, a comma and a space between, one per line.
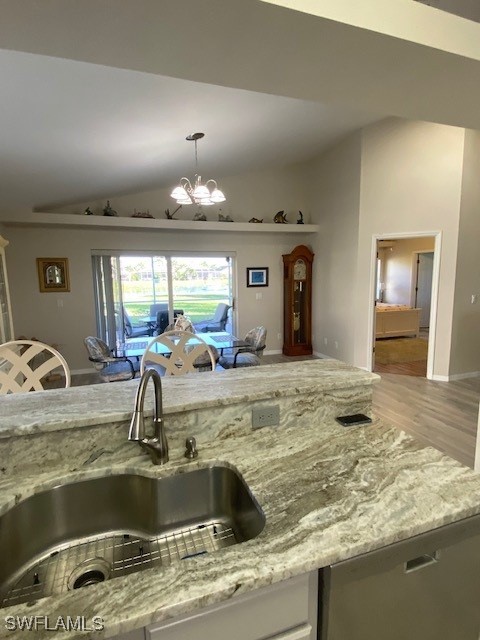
86, 532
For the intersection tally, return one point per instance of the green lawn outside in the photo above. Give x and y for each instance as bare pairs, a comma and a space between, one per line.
197, 308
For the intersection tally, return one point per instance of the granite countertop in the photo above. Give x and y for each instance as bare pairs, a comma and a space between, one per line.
39, 412
328, 493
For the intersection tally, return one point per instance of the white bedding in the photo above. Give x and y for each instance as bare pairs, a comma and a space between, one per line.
395, 320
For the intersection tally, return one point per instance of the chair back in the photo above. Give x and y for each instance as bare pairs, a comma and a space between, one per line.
159, 306
257, 339
98, 350
178, 352
127, 323
221, 313
24, 365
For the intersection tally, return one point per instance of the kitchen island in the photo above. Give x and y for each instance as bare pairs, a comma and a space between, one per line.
328, 493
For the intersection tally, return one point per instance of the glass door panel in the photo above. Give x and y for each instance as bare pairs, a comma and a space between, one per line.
199, 285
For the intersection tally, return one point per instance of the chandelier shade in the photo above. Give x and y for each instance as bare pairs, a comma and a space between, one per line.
198, 193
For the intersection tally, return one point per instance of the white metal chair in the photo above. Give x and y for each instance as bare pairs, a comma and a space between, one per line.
176, 353
25, 364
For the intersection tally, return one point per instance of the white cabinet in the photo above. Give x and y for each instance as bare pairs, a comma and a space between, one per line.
6, 326
283, 611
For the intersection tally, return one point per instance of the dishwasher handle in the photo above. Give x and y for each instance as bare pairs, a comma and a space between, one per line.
420, 562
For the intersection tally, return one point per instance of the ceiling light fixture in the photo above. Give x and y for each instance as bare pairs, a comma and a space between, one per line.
204, 194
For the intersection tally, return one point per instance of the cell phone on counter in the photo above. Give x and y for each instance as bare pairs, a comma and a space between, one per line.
353, 420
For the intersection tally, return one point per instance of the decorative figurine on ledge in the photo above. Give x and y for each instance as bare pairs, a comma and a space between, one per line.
222, 218
88, 212
108, 211
280, 218
170, 216
300, 218
199, 217
141, 214
256, 220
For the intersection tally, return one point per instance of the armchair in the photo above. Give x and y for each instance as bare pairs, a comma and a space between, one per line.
134, 331
218, 322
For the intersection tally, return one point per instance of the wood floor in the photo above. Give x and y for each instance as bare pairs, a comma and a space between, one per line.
442, 414
416, 369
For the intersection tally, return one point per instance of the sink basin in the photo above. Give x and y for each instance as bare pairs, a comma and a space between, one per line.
86, 532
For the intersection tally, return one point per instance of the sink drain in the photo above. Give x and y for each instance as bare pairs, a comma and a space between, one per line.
89, 572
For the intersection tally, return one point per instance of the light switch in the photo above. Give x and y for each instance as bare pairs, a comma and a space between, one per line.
474, 298
59, 302
258, 295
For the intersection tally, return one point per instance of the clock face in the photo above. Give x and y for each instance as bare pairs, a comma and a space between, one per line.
299, 270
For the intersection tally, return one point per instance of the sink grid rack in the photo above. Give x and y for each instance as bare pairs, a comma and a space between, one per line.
100, 558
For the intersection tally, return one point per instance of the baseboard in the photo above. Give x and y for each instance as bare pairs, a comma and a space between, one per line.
456, 376
322, 355
273, 352
463, 376
79, 372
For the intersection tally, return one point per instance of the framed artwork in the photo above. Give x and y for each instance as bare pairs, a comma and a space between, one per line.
257, 276
53, 274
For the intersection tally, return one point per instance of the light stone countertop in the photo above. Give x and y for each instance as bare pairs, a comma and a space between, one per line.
328, 493
23, 414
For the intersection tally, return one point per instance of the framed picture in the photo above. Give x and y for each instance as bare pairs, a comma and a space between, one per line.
53, 274
257, 276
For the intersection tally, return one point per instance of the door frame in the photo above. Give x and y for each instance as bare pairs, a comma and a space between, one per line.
437, 235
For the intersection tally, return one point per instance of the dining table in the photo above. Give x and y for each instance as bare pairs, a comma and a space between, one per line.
221, 340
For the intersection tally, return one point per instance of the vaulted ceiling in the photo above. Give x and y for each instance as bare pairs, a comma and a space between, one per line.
97, 97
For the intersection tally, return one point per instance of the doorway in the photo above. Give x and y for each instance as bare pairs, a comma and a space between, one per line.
405, 294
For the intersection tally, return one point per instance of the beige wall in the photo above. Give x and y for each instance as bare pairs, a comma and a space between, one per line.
335, 193
466, 316
392, 178
399, 260
66, 318
411, 182
261, 195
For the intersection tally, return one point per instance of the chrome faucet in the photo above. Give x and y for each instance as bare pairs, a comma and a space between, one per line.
156, 446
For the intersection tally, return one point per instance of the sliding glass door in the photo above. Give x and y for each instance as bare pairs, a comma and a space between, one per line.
131, 289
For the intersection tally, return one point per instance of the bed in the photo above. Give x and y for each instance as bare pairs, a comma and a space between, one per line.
396, 320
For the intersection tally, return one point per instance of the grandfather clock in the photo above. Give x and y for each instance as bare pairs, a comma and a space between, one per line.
297, 293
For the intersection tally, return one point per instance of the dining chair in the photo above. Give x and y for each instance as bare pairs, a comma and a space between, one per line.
27, 364
110, 368
183, 352
248, 356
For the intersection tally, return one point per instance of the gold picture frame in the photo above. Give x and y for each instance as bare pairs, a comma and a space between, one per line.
53, 275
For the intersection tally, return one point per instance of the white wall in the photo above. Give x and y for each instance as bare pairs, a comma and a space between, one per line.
399, 268
335, 193
66, 318
411, 181
466, 316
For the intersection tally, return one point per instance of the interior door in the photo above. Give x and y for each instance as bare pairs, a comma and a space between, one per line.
423, 291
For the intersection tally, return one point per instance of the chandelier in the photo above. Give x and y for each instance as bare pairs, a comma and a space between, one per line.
204, 194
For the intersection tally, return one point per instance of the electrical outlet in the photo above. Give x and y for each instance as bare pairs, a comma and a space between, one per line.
268, 416
325, 341
279, 336
336, 344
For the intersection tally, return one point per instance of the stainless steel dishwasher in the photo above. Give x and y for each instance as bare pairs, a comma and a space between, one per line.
424, 588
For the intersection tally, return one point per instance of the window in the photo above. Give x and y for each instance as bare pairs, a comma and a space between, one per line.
131, 288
